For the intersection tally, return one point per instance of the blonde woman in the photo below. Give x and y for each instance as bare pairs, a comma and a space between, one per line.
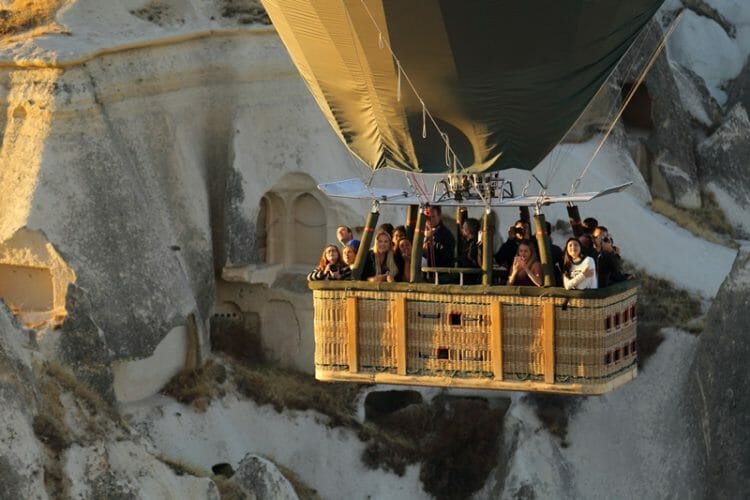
380, 264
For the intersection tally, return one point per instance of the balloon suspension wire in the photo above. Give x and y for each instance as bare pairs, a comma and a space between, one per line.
451, 158
627, 100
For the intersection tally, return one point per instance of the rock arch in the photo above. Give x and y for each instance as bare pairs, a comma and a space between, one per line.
309, 220
292, 222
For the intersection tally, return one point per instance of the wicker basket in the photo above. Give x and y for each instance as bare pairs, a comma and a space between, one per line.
530, 339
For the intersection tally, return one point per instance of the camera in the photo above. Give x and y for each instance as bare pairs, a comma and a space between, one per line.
334, 269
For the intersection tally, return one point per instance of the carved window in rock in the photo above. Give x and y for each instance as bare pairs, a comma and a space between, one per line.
271, 229
308, 230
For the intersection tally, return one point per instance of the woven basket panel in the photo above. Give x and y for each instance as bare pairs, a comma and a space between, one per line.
446, 336
329, 321
522, 340
377, 339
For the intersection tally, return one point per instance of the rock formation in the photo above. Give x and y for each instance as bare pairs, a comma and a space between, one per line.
717, 391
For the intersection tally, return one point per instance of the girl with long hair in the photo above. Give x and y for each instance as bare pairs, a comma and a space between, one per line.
579, 271
380, 264
526, 269
331, 266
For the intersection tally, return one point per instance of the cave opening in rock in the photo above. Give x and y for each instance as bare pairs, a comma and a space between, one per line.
638, 111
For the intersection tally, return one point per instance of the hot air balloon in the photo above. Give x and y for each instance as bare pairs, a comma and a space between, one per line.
464, 90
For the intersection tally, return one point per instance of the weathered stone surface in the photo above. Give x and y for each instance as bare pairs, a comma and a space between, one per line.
81, 345
672, 137
597, 116
671, 171
125, 470
718, 393
21, 456
738, 90
262, 480
723, 158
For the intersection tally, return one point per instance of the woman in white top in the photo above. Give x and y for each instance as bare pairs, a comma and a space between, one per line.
579, 271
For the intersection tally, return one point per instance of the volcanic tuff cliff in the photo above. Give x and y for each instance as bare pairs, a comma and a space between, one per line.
157, 156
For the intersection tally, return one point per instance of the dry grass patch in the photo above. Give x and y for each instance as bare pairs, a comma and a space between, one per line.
22, 16
288, 389
198, 386
246, 11
661, 305
708, 222
95, 415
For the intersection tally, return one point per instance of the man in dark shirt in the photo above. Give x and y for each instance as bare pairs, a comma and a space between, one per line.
557, 257
439, 244
608, 264
471, 255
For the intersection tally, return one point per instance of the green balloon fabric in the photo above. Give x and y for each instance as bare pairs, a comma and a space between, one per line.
504, 80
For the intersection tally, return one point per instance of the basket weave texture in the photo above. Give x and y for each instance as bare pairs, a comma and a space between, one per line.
450, 333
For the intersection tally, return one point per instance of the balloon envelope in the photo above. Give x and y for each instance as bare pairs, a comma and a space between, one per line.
504, 79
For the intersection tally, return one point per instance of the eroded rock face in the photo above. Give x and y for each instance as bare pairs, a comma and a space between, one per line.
126, 470
262, 480
718, 394
739, 88
724, 158
674, 172
21, 455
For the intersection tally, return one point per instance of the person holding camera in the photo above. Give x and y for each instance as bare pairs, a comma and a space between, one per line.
608, 262
331, 266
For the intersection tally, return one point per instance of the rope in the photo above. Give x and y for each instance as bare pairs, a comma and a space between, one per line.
383, 43
630, 95
556, 162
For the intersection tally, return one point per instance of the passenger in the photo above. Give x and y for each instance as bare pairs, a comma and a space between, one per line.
387, 227
608, 262
380, 264
603, 232
439, 244
399, 233
557, 257
587, 245
349, 254
589, 224
345, 236
508, 250
331, 266
404, 250
579, 271
471, 254
526, 270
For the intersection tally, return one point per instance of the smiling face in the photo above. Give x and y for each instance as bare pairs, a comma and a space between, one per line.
524, 251
574, 249
383, 243
404, 246
332, 254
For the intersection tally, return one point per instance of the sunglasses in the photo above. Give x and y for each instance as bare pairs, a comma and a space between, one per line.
607, 240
